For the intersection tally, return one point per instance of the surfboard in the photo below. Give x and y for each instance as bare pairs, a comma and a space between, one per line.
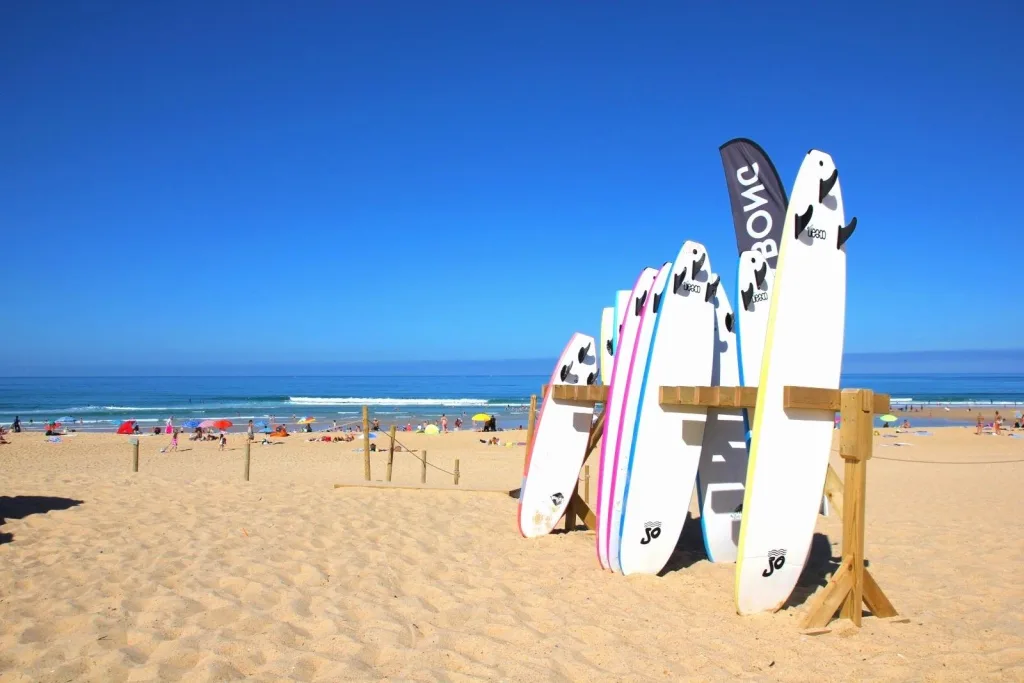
666, 440
554, 458
754, 289
621, 367
630, 406
621, 305
803, 346
723, 457
607, 324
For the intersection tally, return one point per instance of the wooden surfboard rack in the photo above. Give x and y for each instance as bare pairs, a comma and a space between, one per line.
851, 586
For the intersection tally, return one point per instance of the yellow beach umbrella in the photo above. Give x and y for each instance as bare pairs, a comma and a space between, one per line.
481, 417
888, 418
306, 420
431, 429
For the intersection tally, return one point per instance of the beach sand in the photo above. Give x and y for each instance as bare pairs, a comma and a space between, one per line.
183, 571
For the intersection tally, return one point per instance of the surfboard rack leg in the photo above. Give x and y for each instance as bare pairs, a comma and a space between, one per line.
578, 506
852, 586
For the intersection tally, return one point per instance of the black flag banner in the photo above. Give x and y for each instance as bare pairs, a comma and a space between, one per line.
757, 197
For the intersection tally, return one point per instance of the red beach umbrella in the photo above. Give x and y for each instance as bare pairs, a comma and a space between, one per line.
223, 425
127, 427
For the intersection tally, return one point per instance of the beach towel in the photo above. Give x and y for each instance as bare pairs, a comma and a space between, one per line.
53, 439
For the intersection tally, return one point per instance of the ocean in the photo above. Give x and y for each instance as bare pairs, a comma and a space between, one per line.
99, 403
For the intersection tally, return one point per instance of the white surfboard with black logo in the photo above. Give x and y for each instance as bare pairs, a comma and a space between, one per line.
667, 439
622, 367
554, 458
789, 448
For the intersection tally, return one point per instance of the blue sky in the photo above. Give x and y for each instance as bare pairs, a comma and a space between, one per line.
202, 181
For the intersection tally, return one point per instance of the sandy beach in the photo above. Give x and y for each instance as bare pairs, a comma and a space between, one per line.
183, 571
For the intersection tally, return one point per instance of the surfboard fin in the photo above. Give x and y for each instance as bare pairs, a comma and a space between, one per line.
712, 289
640, 301
677, 281
825, 185
846, 233
760, 274
728, 321
699, 263
802, 220
582, 355
565, 371
608, 345
656, 304
590, 378
748, 295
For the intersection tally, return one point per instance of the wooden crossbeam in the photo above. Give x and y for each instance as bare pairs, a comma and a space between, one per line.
586, 393
809, 398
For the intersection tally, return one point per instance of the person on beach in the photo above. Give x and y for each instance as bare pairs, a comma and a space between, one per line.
444, 422
16, 426
174, 441
249, 432
981, 424
170, 425
997, 424
458, 423
223, 440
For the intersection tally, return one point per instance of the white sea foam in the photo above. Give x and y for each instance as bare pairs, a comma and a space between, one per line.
331, 401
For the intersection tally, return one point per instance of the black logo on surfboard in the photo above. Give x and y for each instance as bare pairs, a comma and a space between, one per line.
776, 560
651, 531
556, 499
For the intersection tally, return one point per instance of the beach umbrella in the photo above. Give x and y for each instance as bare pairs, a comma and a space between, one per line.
66, 418
481, 417
266, 430
888, 418
259, 423
127, 427
207, 424
431, 429
306, 420
190, 424
223, 425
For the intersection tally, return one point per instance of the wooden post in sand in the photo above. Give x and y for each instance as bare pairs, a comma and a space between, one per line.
531, 421
247, 460
391, 452
852, 585
586, 484
366, 443
455, 474
135, 455
423, 468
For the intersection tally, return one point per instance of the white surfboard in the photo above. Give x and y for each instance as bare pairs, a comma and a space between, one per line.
554, 458
723, 457
630, 406
789, 449
621, 367
621, 305
667, 439
754, 284
607, 325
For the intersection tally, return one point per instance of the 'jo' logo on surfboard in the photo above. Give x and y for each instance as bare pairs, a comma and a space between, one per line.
776, 560
651, 531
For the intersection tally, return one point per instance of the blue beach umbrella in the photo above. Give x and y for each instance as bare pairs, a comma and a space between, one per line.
190, 424
266, 430
260, 423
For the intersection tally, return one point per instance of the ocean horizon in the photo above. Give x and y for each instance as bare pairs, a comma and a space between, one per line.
410, 392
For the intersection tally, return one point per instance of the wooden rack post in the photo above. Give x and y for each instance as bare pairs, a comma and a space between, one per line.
852, 584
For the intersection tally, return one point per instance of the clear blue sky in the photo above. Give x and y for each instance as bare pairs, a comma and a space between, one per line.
263, 181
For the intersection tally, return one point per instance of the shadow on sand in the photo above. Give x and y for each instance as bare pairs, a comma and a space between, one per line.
18, 507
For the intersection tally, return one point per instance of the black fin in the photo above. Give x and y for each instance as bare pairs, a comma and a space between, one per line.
697, 265
845, 233
728, 321
590, 378
564, 373
747, 296
608, 345
640, 301
712, 289
583, 352
801, 220
656, 303
677, 281
825, 186
760, 274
